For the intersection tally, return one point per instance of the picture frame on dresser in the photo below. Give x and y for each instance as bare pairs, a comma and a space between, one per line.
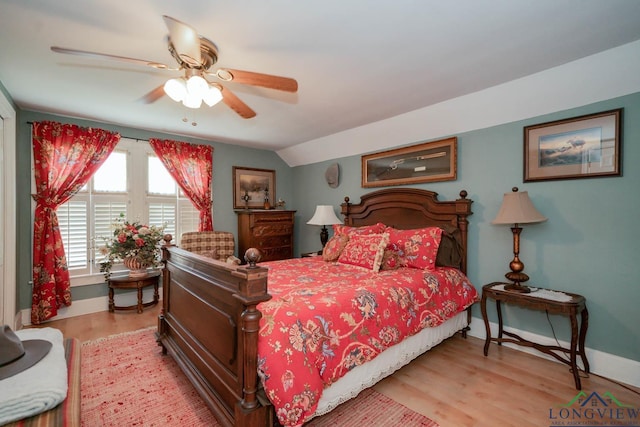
580, 147
251, 186
426, 162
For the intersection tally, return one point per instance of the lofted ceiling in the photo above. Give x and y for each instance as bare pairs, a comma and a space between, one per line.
356, 61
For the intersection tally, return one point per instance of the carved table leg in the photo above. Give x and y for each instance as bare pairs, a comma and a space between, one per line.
111, 305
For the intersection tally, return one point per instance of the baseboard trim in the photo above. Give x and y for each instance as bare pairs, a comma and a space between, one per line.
94, 305
607, 365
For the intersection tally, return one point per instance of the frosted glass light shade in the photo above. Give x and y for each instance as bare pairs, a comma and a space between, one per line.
192, 100
197, 85
212, 96
176, 89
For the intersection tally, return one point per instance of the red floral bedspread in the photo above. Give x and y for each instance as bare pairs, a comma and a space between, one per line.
326, 318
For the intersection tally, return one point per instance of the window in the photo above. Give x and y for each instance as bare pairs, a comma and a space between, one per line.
134, 182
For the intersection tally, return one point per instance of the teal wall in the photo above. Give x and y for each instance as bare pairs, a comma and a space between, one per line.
590, 244
225, 156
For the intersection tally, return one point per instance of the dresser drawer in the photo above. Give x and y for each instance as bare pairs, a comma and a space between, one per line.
272, 242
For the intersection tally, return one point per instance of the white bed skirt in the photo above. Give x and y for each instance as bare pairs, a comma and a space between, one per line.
386, 363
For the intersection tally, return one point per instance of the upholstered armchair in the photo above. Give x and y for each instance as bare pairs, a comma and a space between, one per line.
214, 244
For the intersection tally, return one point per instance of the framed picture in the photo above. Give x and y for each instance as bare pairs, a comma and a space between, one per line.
426, 162
252, 186
581, 147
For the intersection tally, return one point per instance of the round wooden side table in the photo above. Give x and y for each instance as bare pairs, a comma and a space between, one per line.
126, 282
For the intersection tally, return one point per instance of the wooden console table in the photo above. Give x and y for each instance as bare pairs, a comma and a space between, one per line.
126, 282
575, 304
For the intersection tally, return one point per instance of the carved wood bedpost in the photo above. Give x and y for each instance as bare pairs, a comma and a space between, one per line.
252, 292
165, 280
463, 208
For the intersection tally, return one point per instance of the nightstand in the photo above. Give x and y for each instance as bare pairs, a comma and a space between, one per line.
547, 300
310, 254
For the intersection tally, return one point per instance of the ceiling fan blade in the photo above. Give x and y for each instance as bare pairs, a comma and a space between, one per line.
153, 95
185, 41
258, 79
97, 55
236, 104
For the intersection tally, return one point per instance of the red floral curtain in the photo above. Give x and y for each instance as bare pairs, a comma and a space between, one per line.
191, 166
65, 157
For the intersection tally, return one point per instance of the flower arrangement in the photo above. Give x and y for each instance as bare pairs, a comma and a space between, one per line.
132, 240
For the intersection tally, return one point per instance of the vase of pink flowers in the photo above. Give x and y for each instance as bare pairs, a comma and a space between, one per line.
135, 244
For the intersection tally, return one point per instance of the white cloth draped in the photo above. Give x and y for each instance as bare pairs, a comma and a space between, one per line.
39, 388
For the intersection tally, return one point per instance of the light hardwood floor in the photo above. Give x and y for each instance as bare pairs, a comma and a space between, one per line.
452, 384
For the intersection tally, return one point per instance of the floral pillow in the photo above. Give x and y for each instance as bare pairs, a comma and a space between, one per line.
416, 248
365, 229
365, 250
334, 247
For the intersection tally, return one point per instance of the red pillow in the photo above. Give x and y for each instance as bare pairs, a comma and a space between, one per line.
365, 229
416, 248
365, 250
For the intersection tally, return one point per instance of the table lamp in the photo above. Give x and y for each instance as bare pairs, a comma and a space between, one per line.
324, 215
517, 208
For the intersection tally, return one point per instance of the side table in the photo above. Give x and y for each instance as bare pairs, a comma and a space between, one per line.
545, 300
126, 282
310, 254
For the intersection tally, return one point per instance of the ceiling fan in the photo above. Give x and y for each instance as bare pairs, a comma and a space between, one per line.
195, 56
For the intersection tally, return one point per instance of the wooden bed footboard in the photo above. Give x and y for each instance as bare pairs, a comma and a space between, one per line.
210, 321
209, 324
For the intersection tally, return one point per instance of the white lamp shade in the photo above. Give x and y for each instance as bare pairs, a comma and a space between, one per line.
324, 215
517, 208
176, 89
212, 96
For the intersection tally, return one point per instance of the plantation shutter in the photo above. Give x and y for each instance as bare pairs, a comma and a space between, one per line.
72, 219
163, 215
189, 217
104, 214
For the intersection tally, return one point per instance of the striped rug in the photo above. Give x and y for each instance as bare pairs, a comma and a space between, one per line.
126, 381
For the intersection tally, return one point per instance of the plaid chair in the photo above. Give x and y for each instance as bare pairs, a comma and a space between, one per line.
215, 244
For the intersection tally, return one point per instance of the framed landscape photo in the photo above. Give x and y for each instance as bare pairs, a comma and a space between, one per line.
426, 162
252, 186
580, 147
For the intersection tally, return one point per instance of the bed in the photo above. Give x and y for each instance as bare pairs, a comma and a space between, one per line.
212, 321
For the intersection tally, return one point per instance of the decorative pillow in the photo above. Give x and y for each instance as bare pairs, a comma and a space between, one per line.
365, 250
213, 253
450, 250
334, 247
390, 260
365, 229
416, 248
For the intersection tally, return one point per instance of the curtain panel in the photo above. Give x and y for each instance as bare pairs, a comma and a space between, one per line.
191, 166
65, 158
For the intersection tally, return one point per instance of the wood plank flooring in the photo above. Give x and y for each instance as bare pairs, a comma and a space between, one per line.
452, 384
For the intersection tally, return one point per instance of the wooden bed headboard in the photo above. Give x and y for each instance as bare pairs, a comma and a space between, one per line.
408, 208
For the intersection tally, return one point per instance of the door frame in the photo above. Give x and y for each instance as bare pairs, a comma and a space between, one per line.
8, 285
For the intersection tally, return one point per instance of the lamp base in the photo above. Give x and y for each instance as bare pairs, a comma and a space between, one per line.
517, 287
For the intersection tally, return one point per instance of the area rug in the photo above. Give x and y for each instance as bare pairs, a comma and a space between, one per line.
126, 381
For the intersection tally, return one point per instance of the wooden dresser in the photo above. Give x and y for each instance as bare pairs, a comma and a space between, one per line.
270, 231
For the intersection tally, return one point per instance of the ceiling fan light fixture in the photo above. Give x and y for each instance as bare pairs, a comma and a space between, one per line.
176, 89
212, 96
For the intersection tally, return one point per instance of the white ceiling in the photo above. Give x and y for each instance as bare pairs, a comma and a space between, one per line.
356, 61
